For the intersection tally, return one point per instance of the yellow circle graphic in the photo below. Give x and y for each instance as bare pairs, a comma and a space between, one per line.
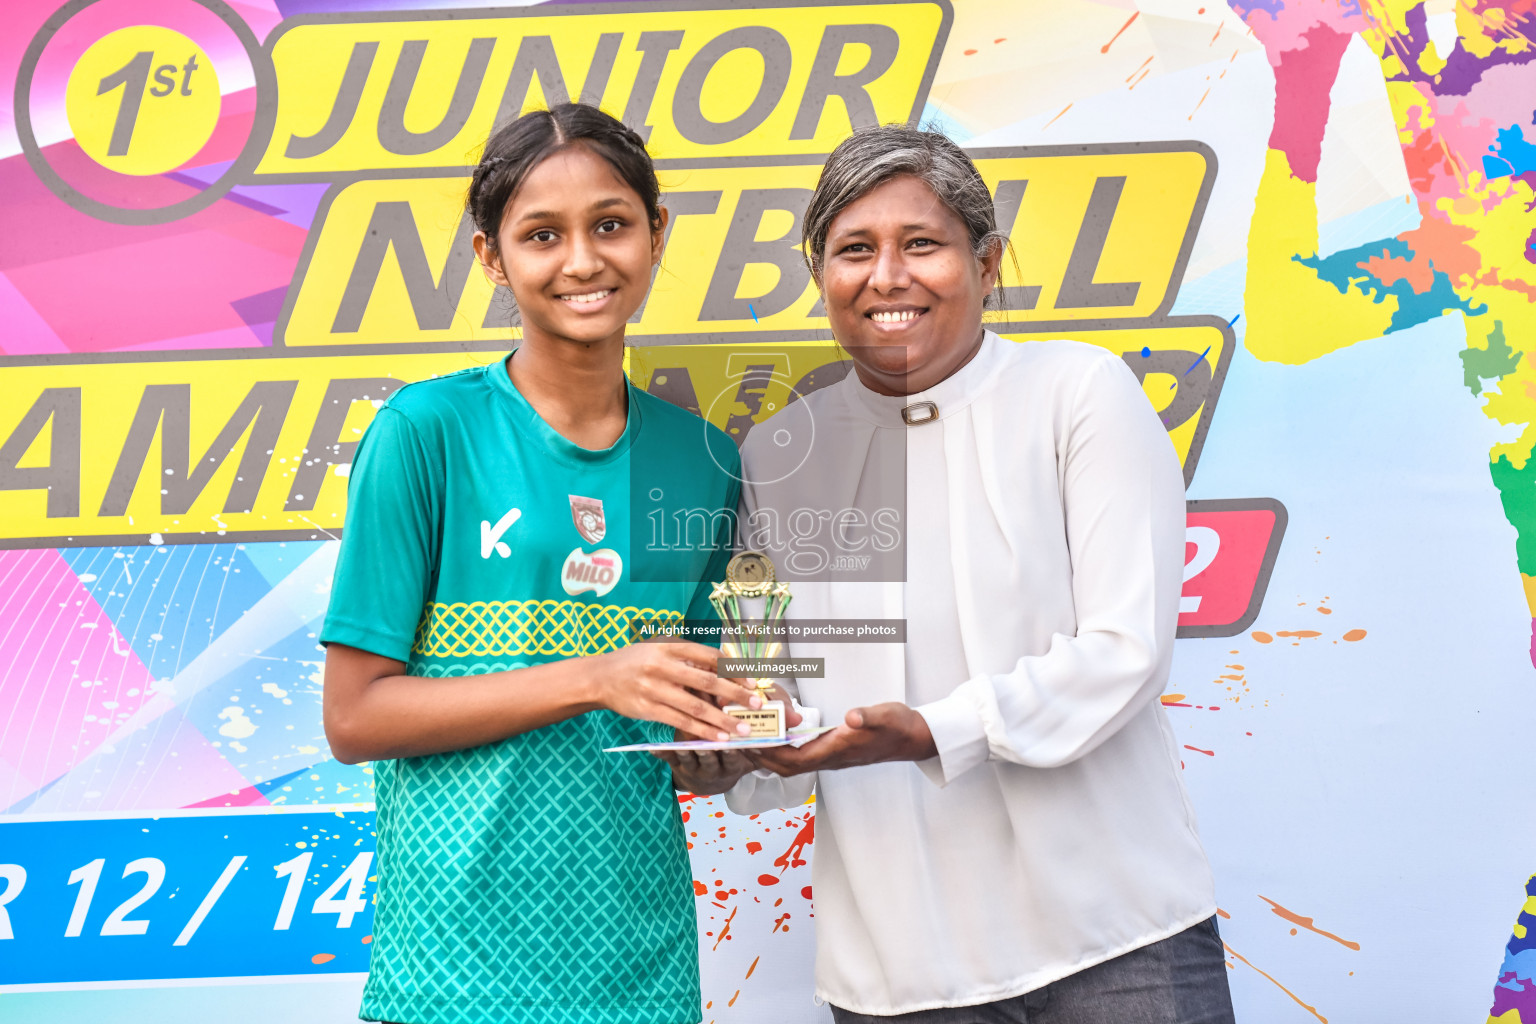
143, 100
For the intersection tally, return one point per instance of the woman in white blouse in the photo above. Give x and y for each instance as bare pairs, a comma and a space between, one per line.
1003, 833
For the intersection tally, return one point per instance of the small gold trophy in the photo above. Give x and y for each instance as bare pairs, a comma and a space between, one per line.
752, 634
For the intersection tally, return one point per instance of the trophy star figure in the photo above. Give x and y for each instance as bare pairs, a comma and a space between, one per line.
753, 635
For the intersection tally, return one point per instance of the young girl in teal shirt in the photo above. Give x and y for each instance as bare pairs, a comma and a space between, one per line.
494, 558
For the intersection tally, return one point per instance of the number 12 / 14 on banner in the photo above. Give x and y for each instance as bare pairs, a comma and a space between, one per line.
201, 894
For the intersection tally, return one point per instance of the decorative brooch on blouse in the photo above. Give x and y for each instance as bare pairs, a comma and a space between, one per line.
919, 412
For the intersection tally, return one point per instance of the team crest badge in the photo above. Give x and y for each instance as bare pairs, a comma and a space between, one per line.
587, 514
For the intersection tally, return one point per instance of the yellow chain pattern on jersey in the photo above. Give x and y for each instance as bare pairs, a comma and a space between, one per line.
568, 629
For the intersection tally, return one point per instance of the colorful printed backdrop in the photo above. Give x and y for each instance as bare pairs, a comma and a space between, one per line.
232, 228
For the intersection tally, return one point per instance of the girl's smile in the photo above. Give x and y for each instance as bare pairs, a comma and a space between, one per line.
576, 247
586, 299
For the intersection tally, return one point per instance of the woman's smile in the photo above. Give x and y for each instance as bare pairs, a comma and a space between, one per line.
902, 284
898, 319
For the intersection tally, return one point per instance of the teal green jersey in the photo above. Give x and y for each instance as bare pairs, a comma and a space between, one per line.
536, 879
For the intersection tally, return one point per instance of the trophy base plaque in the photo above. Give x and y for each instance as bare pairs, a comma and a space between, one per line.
767, 722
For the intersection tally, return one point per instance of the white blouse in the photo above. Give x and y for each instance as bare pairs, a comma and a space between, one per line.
1044, 528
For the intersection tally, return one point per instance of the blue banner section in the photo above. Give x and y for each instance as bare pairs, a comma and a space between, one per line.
196, 895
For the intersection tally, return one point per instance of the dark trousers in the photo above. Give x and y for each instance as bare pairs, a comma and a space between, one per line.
1179, 980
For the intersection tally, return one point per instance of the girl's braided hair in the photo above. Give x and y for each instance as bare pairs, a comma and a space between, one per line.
518, 146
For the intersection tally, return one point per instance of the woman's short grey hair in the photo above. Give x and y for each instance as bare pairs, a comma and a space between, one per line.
872, 156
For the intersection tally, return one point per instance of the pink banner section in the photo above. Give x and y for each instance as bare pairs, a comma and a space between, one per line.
164, 762
66, 673
68, 682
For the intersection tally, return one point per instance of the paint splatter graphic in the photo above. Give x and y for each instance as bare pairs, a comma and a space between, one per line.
1270, 977
1464, 117
1301, 923
748, 895
1307, 923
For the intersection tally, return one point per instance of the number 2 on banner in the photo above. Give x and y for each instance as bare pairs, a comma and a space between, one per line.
1207, 542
